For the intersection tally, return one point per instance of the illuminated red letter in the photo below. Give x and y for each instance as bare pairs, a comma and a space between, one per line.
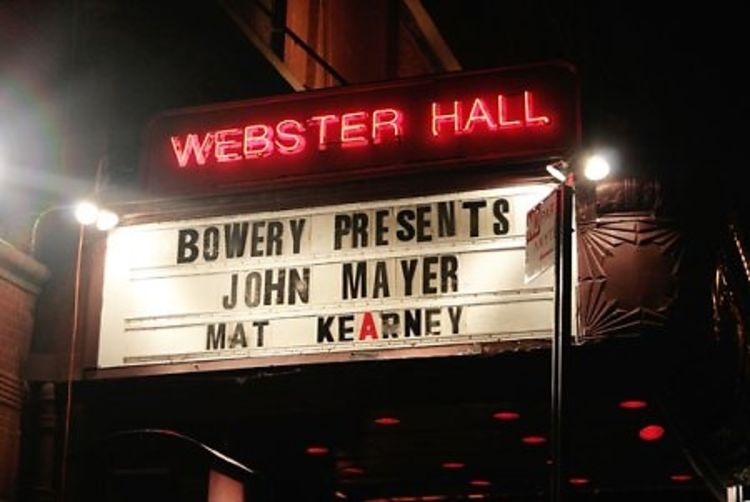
224, 144
384, 119
258, 141
289, 138
528, 104
194, 146
322, 123
353, 131
368, 329
454, 117
502, 114
479, 113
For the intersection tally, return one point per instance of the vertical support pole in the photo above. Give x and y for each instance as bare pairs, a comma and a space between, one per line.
562, 339
67, 419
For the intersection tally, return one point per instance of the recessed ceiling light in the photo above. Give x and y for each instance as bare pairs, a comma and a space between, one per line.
579, 481
352, 471
316, 450
633, 404
480, 482
506, 415
534, 439
387, 421
453, 465
681, 478
651, 433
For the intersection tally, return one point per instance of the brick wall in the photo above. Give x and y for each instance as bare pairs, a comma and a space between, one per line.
20, 281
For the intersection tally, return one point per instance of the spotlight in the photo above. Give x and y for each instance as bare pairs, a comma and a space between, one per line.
558, 170
596, 168
86, 212
106, 220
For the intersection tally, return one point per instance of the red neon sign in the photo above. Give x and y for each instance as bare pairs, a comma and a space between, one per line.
500, 115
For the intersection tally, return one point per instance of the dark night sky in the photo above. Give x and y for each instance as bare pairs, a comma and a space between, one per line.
662, 83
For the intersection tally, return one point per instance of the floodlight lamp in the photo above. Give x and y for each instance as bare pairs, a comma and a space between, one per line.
86, 212
596, 167
106, 220
558, 170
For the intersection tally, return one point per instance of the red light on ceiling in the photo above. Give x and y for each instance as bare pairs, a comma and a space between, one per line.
681, 478
633, 404
579, 481
533, 440
316, 450
453, 465
387, 421
506, 415
352, 471
476, 496
651, 433
480, 482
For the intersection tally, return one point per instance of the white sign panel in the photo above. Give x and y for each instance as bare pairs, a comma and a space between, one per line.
375, 276
540, 237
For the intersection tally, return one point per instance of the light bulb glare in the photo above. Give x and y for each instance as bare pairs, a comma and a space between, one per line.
555, 172
106, 220
596, 168
86, 213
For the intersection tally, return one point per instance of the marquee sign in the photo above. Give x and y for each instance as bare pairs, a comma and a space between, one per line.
509, 114
342, 280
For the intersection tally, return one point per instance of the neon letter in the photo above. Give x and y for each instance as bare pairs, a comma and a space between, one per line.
323, 121
224, 144
528, 104
502, 114
353, 131
258, 141
200, 149
386, 118
290, 140
479, 113
454, 117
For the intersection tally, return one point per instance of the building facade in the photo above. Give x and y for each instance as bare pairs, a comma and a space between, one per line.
305, 300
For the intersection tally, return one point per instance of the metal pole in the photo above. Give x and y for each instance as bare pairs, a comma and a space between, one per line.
64, 460
99, 182
562, 336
